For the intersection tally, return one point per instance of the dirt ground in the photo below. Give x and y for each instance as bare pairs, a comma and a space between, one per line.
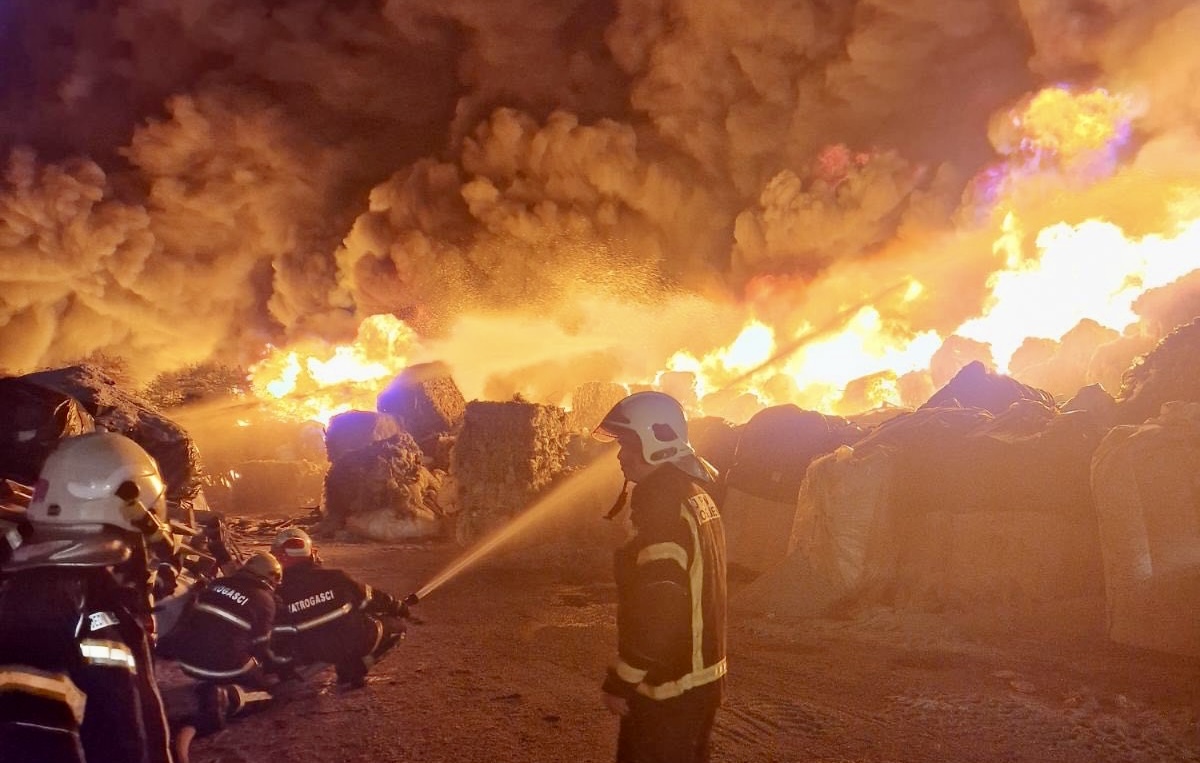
507, 663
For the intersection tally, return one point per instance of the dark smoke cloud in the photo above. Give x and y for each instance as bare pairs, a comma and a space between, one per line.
194, 179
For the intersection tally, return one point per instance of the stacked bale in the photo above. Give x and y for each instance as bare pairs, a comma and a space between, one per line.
505, 455
377, 485
426, 403
953, 507
1144, 481
762, 485
590, 402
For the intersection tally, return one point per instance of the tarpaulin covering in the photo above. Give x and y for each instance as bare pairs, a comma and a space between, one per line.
117, 410
33, 419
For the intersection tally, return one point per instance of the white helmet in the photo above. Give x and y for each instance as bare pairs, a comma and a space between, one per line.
96, 480
291, 544
656, 419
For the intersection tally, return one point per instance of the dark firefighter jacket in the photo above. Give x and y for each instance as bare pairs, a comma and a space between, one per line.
325, 615
670, 579
226, 632
76, 676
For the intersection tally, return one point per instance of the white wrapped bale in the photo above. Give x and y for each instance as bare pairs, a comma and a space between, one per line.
1144, 482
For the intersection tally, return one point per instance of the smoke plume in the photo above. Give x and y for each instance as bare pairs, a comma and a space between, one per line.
198, 180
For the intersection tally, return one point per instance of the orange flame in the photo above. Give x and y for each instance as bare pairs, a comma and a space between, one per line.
315, 381
1044, 282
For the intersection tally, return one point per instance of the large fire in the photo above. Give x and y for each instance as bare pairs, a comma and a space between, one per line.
1045, 280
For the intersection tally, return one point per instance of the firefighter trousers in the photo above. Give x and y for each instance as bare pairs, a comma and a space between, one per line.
674, 730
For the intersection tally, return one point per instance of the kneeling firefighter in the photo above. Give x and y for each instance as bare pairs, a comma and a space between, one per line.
223, 642
328, 617
76, 674
668, 679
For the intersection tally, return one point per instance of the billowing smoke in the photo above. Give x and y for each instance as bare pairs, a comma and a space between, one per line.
196, 180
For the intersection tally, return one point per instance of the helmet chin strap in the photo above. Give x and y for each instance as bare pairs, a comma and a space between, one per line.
619, 504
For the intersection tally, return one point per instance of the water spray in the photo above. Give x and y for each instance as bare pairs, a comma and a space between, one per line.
564, 494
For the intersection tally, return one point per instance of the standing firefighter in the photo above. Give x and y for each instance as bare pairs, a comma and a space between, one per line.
76, 676
667, 682
328, 617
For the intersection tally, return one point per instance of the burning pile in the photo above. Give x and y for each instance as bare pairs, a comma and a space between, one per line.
747, 209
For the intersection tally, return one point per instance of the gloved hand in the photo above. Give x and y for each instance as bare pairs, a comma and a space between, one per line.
165, 579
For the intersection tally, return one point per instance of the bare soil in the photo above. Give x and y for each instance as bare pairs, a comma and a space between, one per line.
507, 663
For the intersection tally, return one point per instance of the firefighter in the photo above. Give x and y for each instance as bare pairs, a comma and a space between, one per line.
328, 617
76, 673
223, 642
224, 636
668, 679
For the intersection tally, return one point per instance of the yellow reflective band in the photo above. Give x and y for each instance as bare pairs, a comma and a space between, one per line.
663, 551
690, 681
328, 617
367, 597
109, 653
55, 686
696, 583
228, 616
628, 673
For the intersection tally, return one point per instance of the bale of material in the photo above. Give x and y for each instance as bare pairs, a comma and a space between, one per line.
757, 531
974, 386
386, 475
355, 430
1170, 372
32, 421
952, 508
276, 486
589, 403
1095, 403
715, 440
776, 446
761, 487
843, 521
506, 454
426, 401
119, 411
1143, 477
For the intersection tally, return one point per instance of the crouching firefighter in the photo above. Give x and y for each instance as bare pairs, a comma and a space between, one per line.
76, 674
328, 617
668, 679
223, 641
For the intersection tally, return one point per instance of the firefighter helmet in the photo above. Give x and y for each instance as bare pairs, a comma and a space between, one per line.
292, 543
656, 419
96, 480
265, 567
657, 422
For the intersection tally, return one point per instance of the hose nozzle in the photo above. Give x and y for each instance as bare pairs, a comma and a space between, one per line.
411, 600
